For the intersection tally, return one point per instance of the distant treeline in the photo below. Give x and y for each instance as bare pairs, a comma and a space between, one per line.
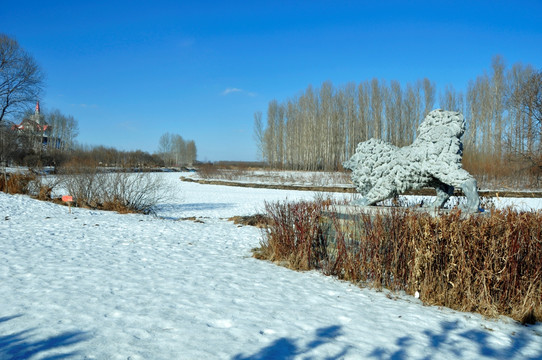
321, 127
175, 151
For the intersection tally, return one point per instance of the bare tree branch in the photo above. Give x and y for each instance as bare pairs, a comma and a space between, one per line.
21, 79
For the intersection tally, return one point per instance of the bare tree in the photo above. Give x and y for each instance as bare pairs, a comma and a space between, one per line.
429, 91
352, 128
394, 119
64, 130
174, 150
412, 110
365, 124
191, 152
179, 149
8, 144
165, 148
259, 132
516, 77
21, 79
377, 108
271, 139
529, 103
498, 90
451, 99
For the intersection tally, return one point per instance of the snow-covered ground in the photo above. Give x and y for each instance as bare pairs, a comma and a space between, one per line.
100, 285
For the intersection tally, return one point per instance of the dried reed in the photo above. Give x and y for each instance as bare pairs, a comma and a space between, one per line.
486, 264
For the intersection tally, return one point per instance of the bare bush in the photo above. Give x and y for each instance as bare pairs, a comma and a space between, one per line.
208, 171
118, 191
138, 192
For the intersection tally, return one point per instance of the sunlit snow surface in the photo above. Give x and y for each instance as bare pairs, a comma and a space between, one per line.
99, 285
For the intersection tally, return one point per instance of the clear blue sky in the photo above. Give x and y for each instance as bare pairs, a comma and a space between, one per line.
130, 71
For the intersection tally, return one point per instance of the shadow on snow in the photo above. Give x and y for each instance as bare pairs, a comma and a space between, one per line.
23, 345
446, 340
287, 348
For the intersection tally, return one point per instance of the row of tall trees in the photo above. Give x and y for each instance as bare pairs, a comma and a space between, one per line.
64, 130
175, 151
321, 127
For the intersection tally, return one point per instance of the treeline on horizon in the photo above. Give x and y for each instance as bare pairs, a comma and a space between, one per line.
181, 153
36, 139
320, 128
173, 151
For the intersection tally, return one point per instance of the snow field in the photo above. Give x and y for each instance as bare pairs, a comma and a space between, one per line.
100, 285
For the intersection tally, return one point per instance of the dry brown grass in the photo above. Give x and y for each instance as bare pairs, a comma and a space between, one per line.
258, 220
486, 264
16, 183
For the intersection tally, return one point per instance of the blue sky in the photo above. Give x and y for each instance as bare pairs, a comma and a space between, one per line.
129, 71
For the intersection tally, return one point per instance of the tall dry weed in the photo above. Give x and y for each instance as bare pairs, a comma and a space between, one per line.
486, 264
16, 183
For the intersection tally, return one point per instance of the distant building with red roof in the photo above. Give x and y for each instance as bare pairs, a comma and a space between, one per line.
35, 125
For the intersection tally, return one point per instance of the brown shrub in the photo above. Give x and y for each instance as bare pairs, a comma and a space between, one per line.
16, 183
487, 264
117, 205
294, 234
44, 192
208, 171
28, 183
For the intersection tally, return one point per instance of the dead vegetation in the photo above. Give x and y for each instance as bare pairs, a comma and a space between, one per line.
91, 187
26, 183
486, 264
258, 220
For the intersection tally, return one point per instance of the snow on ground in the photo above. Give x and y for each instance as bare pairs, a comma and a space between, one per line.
100, 285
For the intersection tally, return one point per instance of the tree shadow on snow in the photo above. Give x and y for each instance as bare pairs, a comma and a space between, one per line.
445, 339
287, 348
24, 345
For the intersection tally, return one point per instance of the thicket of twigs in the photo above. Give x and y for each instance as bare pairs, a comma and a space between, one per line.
486, 264
91, 187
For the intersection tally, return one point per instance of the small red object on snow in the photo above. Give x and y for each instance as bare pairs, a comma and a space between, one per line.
68, 199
